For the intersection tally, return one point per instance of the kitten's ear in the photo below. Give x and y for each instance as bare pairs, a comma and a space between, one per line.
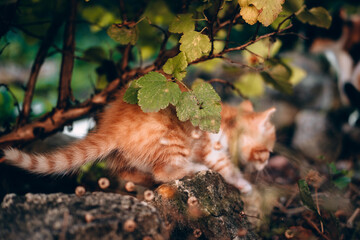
268, 113
246, 106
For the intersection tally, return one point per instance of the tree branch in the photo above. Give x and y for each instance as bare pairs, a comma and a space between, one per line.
55, 120
39, 60
67, 63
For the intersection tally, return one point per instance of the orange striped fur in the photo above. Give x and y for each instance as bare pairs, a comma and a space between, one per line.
160, 145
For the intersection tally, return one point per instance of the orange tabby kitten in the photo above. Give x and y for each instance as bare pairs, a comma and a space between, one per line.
159, 144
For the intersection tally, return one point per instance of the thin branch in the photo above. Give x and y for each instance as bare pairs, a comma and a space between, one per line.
230, 26
239, 48
229, 60
67, 64
211, 27
122, 10
256, 31
56, 119
283, 21
229, 84
125, 57
312, 224
35, 69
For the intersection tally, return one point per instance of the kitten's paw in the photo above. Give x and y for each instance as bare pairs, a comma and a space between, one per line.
244, 186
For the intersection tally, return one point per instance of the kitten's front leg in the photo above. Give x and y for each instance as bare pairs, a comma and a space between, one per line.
219, 161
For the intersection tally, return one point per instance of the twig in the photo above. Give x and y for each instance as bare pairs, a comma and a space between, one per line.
35, 69
256, 31
351, 219
318, 209
238, 48
312, 224
283, 21
67, 64
3, 48
122, 10
229, 84
211, 27
230, 26
125, 57
241, 64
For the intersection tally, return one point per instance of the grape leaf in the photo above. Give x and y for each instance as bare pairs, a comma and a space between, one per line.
263, 11
250, 84
156, 92
208, 117
250, 14
182, 23
123, 34
131, 94
317, 16
194, 45
202, 106
187, 106
176, 66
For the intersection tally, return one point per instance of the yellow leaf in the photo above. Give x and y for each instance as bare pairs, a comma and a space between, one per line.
259, 10
250, 14
297, 74
250, 84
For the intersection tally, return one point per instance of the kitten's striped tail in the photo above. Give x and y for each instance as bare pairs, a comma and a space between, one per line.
64, 160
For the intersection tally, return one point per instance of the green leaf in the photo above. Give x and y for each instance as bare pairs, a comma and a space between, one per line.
317, 16
278, 75
250, 84
156, 92
202, 106
187, 106
182, 23
263, 49
293, 5
194, 45
131, 94
123, 34
208, 117
305, 195
176, 66
99, 16
95, 54
342, 182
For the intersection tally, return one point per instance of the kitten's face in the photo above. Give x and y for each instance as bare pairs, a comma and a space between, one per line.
257, 135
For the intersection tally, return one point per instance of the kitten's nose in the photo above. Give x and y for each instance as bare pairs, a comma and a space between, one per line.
260, 155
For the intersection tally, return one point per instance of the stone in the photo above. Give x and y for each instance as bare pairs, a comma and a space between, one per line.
61, 216
203, 207
316, 137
